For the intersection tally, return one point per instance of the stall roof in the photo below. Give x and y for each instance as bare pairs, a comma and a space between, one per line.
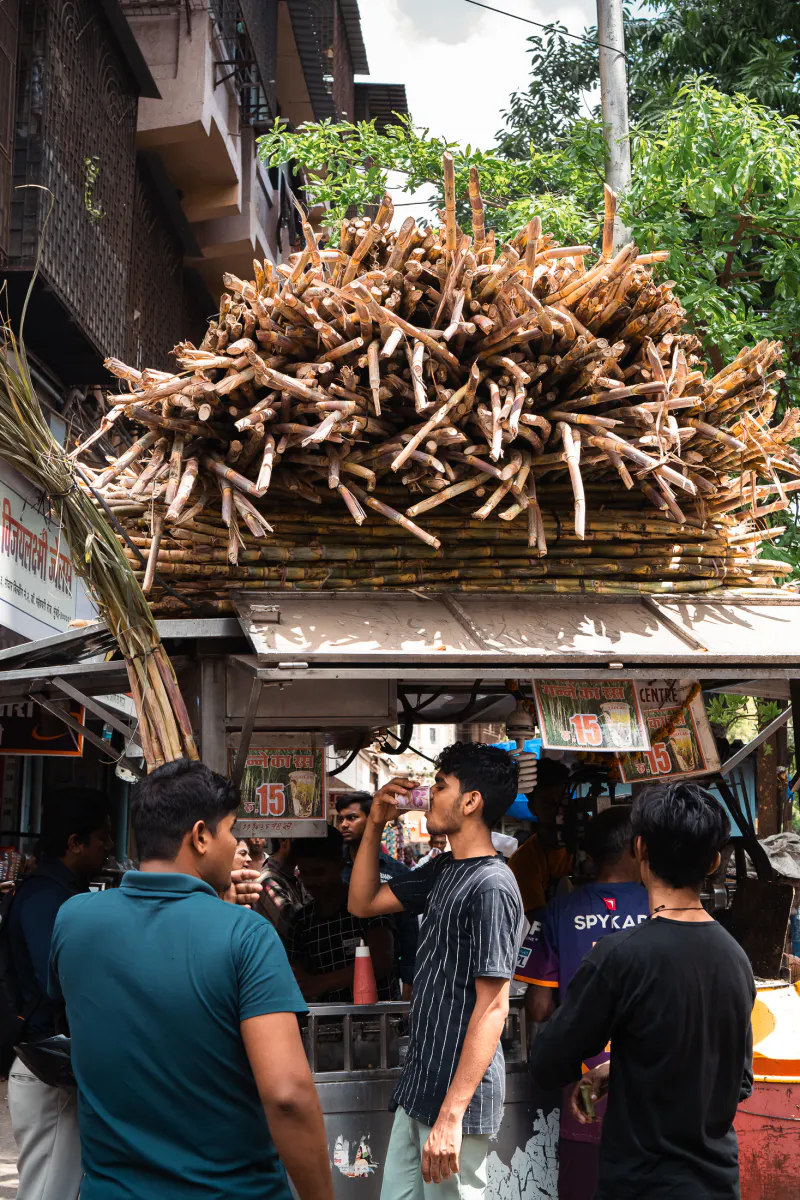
446, 638
411, 632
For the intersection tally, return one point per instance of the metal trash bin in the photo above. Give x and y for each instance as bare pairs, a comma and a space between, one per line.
356, 1052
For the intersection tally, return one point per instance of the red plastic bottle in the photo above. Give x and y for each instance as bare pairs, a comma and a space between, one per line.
365, 990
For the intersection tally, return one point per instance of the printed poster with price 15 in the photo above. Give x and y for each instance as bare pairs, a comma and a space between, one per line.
687, 750
283, 788
587, 715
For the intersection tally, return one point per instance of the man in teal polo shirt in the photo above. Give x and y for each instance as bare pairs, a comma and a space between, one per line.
182, 1009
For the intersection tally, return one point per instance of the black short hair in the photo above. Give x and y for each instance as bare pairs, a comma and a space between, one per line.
683, 827
345, 799
551, 771
609, 834
330, 848
72, 810
485, 769
170, 800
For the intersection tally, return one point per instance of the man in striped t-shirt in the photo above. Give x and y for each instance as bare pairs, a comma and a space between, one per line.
449, 1099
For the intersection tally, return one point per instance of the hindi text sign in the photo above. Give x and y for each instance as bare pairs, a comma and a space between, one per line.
284, 789
590, 715
37, 584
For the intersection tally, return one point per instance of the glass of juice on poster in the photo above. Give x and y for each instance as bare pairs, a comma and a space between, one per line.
683, 748
617, 720
303, 787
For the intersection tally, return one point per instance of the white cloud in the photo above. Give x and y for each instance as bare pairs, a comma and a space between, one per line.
459, 63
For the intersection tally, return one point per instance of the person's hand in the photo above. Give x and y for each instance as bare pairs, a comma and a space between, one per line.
384, 803
440, 1152
597, 1080
244, 888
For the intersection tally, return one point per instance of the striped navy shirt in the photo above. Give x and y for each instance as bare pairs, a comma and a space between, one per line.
471, 929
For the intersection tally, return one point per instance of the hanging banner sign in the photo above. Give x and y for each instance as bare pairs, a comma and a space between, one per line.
26, 728
682, 743
284, 788
38, 590
596, 716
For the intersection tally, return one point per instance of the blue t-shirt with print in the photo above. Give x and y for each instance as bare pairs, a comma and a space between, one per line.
157, 976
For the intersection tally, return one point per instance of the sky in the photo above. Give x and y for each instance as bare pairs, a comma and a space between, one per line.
459, 63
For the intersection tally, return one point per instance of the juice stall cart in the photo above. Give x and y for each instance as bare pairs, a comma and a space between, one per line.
313, 669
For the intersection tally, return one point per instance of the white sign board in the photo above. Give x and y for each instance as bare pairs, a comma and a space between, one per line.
38, 586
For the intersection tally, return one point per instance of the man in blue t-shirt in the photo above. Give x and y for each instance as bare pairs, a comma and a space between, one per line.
550, 956
193, 1081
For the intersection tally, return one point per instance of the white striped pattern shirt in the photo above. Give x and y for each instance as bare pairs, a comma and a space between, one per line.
472, 922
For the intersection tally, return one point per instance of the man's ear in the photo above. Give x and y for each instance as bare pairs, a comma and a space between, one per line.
715, 863
471, 802
74, 844
200, 837
639, 849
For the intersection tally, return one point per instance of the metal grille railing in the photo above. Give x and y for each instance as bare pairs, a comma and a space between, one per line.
76, 131
8, 58
248, 35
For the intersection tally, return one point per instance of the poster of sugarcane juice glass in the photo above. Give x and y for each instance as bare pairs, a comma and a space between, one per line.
283, 789
587, 715
681, 741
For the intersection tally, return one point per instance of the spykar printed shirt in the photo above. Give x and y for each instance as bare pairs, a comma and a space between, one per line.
557, 944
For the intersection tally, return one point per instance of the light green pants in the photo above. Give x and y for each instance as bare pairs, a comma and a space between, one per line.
402, 1172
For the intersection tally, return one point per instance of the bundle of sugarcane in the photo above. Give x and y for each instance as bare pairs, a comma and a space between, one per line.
27, 444
402, 372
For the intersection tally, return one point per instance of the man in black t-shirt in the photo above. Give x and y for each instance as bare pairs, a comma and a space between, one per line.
449, 1098
674, 996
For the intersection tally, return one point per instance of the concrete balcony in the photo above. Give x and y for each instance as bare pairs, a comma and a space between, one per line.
230, 243
194, 127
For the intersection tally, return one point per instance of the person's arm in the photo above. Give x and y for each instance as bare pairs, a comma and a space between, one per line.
368, 897
540, 1003
579, 1029
37, 917
380, 940
277, 1059
440, 1154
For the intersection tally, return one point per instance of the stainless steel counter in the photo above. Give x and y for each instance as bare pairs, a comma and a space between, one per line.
356, 1052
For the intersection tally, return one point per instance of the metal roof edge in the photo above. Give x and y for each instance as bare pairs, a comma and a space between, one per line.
355, 37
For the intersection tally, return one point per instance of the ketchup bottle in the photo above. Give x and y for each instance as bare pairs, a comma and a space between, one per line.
364, 987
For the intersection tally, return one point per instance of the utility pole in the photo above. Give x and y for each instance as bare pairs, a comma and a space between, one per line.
614, 102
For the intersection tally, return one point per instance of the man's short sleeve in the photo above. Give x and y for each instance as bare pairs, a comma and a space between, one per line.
266, 982
413, 888
538, 960
496, 917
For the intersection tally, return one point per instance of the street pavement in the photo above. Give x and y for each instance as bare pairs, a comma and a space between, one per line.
8, 1151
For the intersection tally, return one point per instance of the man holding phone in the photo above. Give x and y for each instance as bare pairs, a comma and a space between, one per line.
674, 997
449, 1098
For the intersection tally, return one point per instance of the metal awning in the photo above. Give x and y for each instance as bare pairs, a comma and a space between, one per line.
448, 636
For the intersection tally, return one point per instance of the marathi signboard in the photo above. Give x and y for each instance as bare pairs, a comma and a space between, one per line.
596, 716
37, 584
681, 741
284, 788
26, 728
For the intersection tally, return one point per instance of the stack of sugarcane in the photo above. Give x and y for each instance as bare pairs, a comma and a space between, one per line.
512, 417
26, 443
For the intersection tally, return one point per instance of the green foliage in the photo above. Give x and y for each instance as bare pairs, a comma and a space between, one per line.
349, 165
716, 180
741, 716
749, 48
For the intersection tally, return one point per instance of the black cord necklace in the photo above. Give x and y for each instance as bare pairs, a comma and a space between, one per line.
663, 908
